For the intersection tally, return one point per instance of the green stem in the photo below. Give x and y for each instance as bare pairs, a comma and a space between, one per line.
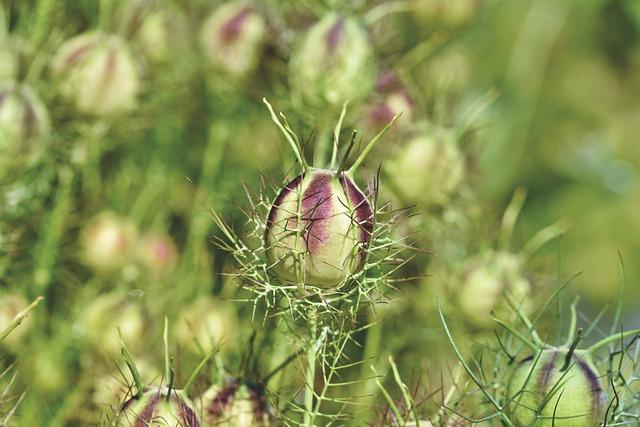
510, 217
336, 136
322, 147
370, 146
311, 372
295, 146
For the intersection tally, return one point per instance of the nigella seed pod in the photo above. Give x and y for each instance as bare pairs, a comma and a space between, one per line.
235, 404
162, 34
98, 72
23, 117
390, 100
486, 280
556, 388
428, 170
156, 407
233, 37
333, 64
318, 229
157, 253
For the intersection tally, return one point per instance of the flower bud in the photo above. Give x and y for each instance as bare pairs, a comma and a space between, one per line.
550, 390
107, 314
207, 324
156, 408
108, 241
333, 64
484, 283
233, 37
157, 253
445, 13
391, 100
428, 170
98, 73
318, 229
10, 305
235, 405
162, 34
23, 117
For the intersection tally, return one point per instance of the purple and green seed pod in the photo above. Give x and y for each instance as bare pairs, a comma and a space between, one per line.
550, 390
235, 405
23, 117
153, 408
318, 229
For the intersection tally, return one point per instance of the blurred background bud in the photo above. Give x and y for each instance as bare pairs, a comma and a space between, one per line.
232, 38
207, 324
427, 170
98, 73
108, 241
485, 282
333, 63
105, 315
23, 117
162, 34
157, 253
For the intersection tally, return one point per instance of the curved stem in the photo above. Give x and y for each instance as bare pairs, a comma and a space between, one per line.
336, 135
510, 216
370, 146
611, 339
311, 373
288, 134
385, 9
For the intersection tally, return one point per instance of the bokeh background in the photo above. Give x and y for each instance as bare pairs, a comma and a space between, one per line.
122, 123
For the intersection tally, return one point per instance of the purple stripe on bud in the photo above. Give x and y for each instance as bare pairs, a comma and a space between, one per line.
335, 33
317, 210
232, 28
363, 213
293, 185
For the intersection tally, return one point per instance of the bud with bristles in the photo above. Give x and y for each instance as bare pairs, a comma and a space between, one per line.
333, 64
23, 117
233, 37
156, 407
235, 405
318, 229
428, 170
99, 73
557, 388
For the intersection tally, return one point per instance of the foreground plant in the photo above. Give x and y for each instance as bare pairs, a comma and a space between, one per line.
557, 385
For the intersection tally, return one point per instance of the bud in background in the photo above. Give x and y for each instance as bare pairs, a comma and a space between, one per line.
156, 407
207, 324
104, 315
98, 73
108, 242
10, 305
485, 282
333, 64
157, 253
427, 170
232, 38
390, 100
162, 34
444, 13
235, 404
23, 117
318, 229
548, 390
